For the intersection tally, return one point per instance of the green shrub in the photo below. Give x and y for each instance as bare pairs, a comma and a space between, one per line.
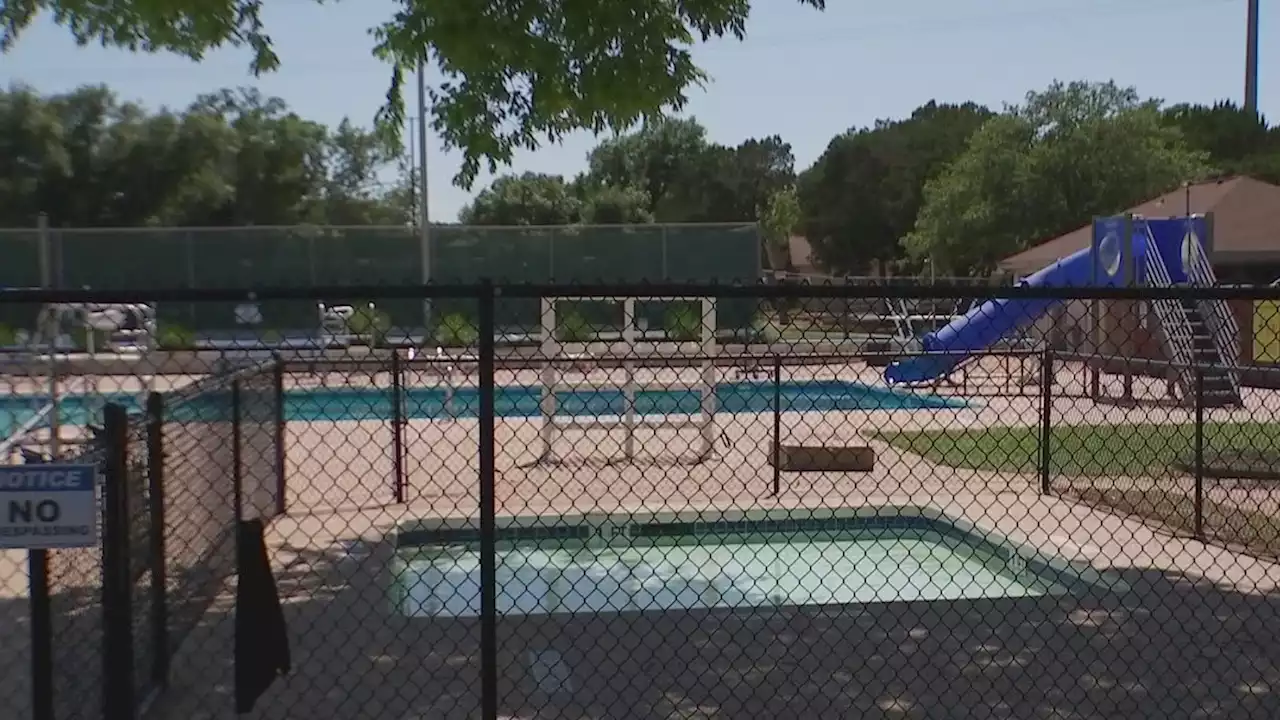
574, 327
7, 336
270, 336
683, 322
175, 337
370, 323
457, 330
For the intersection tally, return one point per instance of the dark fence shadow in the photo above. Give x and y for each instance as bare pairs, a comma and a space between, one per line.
15, 638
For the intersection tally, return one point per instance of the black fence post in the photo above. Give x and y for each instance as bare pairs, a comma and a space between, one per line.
281, 459
777, 424
488, 510
1198, 501
117, 591
237, 452
1046, 419
397, 426
41, 635
159, 568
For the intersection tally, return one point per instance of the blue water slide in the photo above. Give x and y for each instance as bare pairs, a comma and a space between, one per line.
984, 325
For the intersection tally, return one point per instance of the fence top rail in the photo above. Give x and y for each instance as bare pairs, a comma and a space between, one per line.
721, 291
514, 358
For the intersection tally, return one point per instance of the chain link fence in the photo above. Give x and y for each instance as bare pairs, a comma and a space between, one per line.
1051, 503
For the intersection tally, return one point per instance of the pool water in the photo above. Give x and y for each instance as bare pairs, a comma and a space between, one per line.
324, 404
732, 571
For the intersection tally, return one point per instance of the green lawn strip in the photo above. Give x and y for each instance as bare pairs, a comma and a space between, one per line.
1116, 450
1251, 529
1088, 450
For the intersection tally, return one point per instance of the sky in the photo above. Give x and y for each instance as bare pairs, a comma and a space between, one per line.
802, 74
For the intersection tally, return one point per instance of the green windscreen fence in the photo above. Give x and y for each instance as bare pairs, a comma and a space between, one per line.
598, 254
154, 258
19, 268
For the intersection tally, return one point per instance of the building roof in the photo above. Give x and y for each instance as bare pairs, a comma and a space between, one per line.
1246, 223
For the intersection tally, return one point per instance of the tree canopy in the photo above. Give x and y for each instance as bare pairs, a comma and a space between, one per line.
515, 74
234, 157
665, 172
1066, 154
956, 185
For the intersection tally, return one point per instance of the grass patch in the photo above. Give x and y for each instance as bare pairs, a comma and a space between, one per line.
1098, 451
1083, 449
1248, 528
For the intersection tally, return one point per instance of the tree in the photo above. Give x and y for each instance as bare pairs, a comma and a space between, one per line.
514, 73
612, 205
688, 179
352, 190
656, 160
234, 157
862, 195
1238, 142
1044, 168
528, 199
779, 219
737, 183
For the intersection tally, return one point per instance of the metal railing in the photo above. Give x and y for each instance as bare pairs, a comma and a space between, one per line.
1175, 329
1218, 316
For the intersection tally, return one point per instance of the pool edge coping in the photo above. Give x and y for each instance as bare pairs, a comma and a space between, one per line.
1048, 566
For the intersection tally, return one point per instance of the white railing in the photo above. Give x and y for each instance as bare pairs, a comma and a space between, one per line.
631, 350
901, 318
1177, 331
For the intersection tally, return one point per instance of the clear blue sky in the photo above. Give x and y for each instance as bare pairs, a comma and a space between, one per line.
801, 74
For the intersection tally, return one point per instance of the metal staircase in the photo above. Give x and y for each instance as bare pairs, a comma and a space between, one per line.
1219, 322
1197, 334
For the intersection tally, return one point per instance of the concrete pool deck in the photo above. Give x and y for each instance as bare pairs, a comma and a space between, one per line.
1195, 636
1190, 605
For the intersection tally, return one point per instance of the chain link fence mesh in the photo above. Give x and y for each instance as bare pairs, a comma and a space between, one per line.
633, 511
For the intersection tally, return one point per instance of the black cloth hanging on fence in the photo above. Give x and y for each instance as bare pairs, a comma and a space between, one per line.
262, 641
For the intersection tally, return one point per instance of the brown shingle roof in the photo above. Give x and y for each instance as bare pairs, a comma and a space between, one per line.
1246, 220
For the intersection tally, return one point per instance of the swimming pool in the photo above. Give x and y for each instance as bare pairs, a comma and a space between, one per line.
585, 565
328, 404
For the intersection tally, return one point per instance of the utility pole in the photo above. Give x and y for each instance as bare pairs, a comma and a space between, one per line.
413, 175
1251, 61
424, 223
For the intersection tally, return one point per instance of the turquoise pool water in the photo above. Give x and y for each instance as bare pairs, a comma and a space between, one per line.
322, 404
686, 572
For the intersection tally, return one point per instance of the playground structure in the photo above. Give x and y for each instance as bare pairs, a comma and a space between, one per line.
1198, 339
631, 351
